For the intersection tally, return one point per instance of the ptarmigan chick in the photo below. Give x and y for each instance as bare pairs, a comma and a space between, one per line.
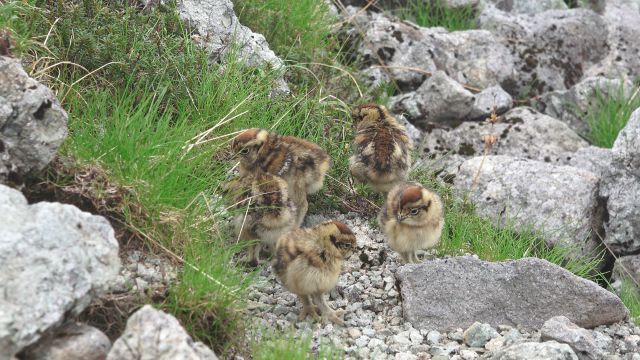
380, 148
412, 219
270, 212
301, 163
308, 263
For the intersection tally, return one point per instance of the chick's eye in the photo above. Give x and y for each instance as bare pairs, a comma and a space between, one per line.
244, 151
415, 211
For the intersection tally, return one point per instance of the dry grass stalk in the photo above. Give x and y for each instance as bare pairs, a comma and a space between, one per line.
489, 140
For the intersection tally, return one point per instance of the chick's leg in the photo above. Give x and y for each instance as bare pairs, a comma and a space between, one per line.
414, 257
302, 207
307, 308
406, 257
326, 311
253, 255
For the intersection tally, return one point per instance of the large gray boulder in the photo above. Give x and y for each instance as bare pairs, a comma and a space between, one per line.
622, 191
625, 150
549, 350
217, 29
521, 132
54, 259
572, 106
451, 293
552, 48
594, 159
408, 52
622, 19
562, 201
562, 330
621, 188
155, 335
32, 123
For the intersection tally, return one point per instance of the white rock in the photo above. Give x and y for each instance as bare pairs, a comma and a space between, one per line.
32, 123
549, 350
217, 29
562, 330
477, 335
434, 337
54, 259
621, 187
154, 335
468, 354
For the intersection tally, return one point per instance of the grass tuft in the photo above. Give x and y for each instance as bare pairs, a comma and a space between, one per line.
630, 296
298, 31
610, 114
432, 13
276, 346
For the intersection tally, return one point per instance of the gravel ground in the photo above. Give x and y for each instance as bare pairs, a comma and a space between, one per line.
374, 327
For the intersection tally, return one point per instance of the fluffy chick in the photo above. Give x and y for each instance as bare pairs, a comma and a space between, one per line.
270, 212
380, 148
301, 163
308, 263
412, 219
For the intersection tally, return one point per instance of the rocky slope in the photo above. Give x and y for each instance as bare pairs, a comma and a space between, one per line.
54, 258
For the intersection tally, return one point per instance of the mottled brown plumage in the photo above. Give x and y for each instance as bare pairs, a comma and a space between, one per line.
412, 219
308, 263
270, 212
301, 163
381, 148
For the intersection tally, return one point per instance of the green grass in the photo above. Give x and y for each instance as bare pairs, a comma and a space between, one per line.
298, 31
630, 296
432, 13
276, 346
609, 115
103, 44
145, 146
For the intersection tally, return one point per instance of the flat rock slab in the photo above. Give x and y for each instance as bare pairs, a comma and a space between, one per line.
452, 293
521, 132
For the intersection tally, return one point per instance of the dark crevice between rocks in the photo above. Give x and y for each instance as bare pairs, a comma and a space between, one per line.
601, 217
109, 313
42, 109
411, 85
